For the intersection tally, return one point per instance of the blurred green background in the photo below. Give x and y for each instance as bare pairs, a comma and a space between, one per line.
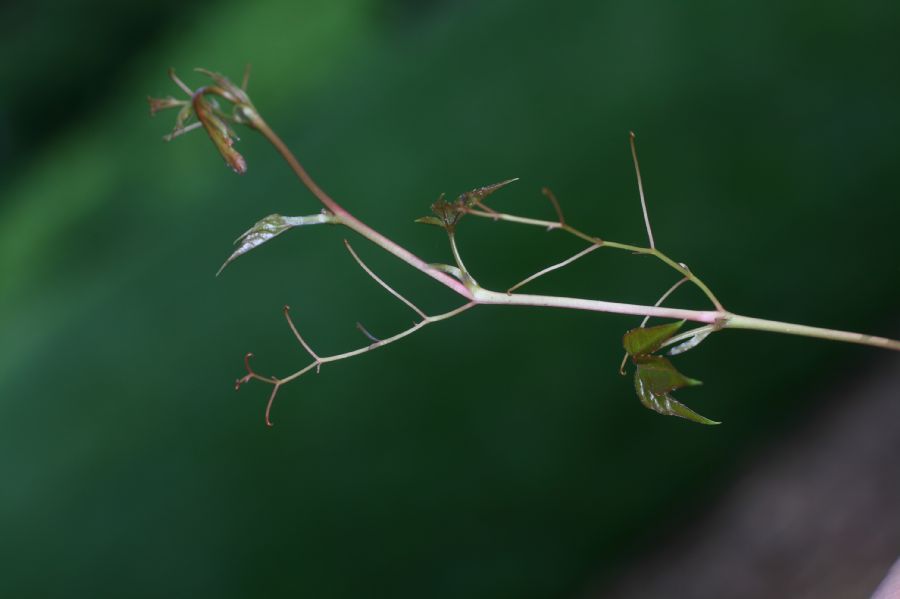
495, 455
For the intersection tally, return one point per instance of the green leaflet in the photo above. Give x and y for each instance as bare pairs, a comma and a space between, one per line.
655, 377
665, 403
646, 340
660, 376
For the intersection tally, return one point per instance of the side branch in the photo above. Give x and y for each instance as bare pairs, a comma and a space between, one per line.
659, 302
550, 225
718, 319
347, 219
637, 171
556, 266
378, 280
318, 361
483, 296
735, 321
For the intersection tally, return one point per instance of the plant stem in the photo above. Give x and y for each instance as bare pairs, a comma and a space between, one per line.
719, 320
719, 317
422, 323
550, 225
736, 321
484, 296
349, 220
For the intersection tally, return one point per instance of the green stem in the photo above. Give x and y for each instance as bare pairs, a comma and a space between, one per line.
736, 321
458, 259
477, 295
326, 359
549, 225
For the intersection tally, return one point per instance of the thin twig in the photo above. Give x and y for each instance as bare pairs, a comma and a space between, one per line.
663, 298
559, 213
383, 342
556, 266
318, 361
457, 258
182, 131
252, 375
637, 170
275, 389
180, 83
486, 208
549, 225
287, 315
382, 283
366, 332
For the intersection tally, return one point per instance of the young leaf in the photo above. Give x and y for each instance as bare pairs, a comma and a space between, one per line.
646, 340
660, 376
447, 213
654, 380
476, 196
220, 134
272, 226
158, 104
665, 404
264, 230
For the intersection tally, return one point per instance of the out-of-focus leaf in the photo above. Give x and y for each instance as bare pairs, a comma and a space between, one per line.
230, 91
646, 340
270, 227
654, 380
158, 104
184, 116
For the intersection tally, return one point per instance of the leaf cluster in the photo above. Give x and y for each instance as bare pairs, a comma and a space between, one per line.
655, 377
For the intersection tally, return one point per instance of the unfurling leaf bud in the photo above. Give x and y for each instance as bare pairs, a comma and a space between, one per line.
271, 227
476, 196
202, 104
654, 380
220, 134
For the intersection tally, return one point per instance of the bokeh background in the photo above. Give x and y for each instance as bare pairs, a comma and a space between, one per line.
498, 454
